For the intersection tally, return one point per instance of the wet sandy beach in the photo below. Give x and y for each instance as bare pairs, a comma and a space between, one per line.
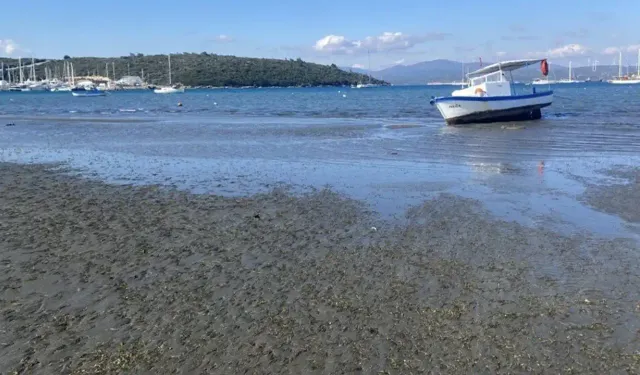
621, 198
102, 279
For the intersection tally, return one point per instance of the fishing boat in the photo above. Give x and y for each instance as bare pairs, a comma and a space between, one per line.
626, 80
171, 89
491, 96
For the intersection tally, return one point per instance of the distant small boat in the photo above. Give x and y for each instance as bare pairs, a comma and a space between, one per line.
87, 91
546, 81
61, 89
453, 83
570, 79
365, 85
624, 81
361, 85
171, 89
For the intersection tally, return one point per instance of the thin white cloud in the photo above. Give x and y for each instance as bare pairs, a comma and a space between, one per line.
357, 66
223, 38
387, 41
568, 50
399, 62
616, 50
8, 46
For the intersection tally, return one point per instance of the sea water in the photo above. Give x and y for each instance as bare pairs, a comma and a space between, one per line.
386, 145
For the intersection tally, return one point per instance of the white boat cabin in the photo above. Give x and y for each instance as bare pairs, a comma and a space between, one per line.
494, 84
492, 80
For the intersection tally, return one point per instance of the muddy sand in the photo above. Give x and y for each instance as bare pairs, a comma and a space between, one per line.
621, 199
101, 279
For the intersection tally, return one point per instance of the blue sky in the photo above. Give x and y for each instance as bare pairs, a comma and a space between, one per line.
338, 32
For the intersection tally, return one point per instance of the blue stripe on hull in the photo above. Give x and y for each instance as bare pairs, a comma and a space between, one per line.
489, 98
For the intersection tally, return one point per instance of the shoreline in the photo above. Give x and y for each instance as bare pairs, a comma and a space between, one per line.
102, 278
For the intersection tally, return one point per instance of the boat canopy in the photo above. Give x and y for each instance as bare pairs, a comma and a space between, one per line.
505, 66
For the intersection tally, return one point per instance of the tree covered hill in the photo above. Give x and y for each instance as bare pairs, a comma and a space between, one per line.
204, 69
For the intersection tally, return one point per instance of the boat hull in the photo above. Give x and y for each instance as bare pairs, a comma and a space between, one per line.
168, 90
88, 93
457, 110
624, 81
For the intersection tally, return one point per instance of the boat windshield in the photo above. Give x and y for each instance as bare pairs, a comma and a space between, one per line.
498, 76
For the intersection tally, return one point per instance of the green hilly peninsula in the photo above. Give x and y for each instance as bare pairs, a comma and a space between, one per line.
204, 69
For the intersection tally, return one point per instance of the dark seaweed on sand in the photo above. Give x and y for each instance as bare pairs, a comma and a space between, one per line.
100, 279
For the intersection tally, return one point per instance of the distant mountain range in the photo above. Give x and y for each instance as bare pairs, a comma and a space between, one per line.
449, 71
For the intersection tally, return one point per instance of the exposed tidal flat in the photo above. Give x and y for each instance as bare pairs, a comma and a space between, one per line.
302, 231
101, 278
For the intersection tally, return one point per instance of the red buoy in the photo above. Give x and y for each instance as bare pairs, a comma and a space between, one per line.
544, 67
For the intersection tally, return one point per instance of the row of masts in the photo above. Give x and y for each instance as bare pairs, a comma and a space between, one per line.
13, 77
16, 75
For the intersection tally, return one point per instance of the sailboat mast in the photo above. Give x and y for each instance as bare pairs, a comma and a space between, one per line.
369, 58
620, 65
20, 68
638, 63
169, 57
570, 75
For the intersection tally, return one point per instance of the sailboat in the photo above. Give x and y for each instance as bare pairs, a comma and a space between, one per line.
626, 80
361, 85
169, 89
570, 79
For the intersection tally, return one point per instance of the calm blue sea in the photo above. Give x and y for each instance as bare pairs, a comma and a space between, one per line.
384, 145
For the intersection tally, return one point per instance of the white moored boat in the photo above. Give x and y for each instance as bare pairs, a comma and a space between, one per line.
626, 80
491, 97
171, 89
543, 81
